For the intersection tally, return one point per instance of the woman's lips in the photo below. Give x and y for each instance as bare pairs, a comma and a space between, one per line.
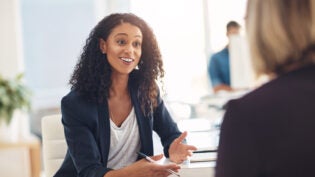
127, 60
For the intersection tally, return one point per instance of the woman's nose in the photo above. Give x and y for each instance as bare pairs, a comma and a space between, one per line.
129, 48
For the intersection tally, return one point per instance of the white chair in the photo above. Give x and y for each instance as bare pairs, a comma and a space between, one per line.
54, 144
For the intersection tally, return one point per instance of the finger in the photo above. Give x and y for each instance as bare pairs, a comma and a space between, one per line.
184, 158
166, 174
191, 147
181, 137
174, 169
171, 166
190, 153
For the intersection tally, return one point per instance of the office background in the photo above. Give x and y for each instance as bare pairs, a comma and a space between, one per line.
43, 39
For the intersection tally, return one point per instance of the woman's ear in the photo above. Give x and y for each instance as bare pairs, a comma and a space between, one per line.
103, 46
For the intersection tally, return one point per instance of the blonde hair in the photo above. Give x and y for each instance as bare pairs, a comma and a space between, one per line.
281, 34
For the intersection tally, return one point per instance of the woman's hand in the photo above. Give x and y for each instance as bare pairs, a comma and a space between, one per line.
179, 151
144, 168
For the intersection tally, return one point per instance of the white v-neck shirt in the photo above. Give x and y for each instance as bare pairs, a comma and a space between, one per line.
124, 142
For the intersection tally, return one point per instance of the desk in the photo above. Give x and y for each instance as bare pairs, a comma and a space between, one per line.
203, 135
194, 169
20, 158
197, 169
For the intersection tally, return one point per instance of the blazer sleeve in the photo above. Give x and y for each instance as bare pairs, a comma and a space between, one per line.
237, 152
80, 125
164, 126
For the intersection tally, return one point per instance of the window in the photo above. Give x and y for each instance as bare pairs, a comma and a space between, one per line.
54, 32
180, 30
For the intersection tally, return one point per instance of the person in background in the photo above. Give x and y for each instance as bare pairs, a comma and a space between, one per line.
114, 105
219, 66
270, 131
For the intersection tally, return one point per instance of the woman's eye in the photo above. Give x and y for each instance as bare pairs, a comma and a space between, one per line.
121, 42
137, 44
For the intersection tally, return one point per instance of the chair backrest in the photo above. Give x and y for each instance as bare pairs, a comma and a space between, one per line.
54, 144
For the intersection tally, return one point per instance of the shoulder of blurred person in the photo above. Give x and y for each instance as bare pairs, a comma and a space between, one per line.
280, 113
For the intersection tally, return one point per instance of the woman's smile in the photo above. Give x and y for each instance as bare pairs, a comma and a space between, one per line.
123, 48
127, 60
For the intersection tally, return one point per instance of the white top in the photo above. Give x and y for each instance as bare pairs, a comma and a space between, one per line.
124, 142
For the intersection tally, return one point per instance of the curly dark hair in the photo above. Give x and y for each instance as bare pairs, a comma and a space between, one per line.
91, 76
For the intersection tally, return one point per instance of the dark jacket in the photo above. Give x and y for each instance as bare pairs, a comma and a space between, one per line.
87, 132
271, 131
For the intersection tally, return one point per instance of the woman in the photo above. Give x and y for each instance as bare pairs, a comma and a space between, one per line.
270, 131
114, 105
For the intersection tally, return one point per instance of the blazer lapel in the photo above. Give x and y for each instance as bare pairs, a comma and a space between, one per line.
104, 131
144, 124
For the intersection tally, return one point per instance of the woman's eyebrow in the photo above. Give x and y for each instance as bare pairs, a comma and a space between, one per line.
119, 34
125, 34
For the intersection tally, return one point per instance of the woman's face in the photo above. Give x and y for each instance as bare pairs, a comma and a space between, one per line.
123, 48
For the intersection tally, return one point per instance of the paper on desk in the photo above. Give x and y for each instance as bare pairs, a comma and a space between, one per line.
207, 140
203, 157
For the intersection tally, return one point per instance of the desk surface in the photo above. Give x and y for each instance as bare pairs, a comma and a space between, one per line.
31, 142
195, 169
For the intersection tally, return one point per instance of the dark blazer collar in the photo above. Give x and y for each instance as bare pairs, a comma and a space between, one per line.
145, 124
104, 131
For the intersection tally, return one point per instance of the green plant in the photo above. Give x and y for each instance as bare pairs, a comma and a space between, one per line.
13, 95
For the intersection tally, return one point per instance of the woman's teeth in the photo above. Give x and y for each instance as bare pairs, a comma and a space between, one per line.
127, 59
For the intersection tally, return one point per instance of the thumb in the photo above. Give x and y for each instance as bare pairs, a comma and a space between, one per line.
181, 137
157, 157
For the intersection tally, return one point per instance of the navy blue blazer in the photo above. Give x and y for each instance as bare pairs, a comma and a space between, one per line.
270, 131
87, 132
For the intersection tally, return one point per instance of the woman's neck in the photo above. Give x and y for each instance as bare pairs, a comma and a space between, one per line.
119, 86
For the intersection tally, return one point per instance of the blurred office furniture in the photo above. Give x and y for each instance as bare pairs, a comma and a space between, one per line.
200, 169
20, 158
193, 168
204, 134
180, 109
54, 144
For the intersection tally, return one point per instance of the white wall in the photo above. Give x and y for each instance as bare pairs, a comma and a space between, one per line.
54, 32
11, 61
105, 7
220, 13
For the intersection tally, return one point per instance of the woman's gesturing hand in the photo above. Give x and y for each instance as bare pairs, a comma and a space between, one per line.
179, 151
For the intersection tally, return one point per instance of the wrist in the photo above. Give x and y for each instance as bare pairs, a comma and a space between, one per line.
117, 173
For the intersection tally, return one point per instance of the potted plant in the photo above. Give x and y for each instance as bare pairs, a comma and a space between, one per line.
13, 95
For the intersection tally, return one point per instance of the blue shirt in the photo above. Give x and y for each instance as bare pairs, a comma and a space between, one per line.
219, 68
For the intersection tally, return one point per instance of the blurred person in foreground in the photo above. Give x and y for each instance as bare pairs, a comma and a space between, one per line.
270, 131
115, 105
219, 66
